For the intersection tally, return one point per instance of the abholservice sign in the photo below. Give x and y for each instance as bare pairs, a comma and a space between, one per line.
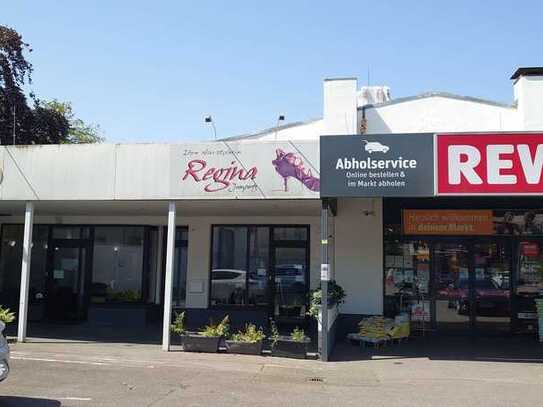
377, 165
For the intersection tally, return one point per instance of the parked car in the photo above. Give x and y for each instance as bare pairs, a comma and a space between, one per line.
4, 354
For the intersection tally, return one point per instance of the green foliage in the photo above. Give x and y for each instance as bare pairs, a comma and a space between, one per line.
22, 122
220, 329
298, 335
178, 326
125, 296
250, 335
6, 316
274, 333
336, 295
78, 131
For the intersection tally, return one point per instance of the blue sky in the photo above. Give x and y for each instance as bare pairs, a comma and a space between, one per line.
150, 71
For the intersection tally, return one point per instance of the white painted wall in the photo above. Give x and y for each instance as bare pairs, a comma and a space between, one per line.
440, 114
528, 91
359, 255
340, 103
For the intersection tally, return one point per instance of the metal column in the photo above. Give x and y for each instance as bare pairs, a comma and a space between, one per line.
168, 286
325, 277
25, 271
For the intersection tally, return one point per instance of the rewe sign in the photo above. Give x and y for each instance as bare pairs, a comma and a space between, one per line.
489, 164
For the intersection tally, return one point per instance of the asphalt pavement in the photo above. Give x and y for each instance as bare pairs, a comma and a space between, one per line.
60, 373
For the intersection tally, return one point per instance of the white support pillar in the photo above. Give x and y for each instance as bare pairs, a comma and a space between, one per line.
168, 286
25, 271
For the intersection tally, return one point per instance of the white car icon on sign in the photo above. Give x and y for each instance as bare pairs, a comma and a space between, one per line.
375, 146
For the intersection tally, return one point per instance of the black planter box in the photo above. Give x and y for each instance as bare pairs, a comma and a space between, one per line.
194, 342
286, 347
244, 348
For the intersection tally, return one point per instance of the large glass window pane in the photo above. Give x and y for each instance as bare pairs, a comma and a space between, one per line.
10, 265
289, 233
10, 268
70, 232
229, 267
407, 276
180, 276
180, 268
152, 262
259, 253
529, 284
290, 282
117, 264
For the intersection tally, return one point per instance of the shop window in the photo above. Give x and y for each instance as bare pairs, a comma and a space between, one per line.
70, 232
230, 265
242, 263
289, 233
407, 275
10, 268
180, 267
117, 264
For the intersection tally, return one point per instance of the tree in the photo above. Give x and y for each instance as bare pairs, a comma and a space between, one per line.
45, 122
79, 132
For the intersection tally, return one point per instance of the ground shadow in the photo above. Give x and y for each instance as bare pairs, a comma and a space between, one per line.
512, 349
13, 401
84, 332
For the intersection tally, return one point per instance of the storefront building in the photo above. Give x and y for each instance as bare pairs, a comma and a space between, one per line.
429, 204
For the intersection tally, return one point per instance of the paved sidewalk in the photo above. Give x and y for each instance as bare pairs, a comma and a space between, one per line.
93, 374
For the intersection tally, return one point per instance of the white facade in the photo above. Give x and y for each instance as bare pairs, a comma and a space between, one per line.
132, 183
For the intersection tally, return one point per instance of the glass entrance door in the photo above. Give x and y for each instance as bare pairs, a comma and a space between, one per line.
67, 274
451, 264
290, 283
473, 287
492, 287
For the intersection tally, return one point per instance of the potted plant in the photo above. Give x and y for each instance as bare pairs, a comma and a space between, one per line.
246, 342
178, 326
6, 316
292, 346
208, 339
336, 296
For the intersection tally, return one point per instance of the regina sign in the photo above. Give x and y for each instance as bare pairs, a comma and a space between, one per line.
377, 165
479, 164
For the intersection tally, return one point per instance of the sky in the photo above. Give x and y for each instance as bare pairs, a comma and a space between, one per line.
150, 71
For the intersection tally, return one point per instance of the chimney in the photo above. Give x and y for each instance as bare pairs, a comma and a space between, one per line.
340, 106
528, 95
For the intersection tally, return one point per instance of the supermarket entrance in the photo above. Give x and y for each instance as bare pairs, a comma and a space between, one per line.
460, 268
472, 292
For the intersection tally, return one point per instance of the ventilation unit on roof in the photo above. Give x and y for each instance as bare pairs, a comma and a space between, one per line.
372, 95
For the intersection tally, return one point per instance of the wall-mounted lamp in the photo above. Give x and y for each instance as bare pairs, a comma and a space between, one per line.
209, 120
280, 118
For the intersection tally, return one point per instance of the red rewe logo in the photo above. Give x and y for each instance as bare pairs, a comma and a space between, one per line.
217, 178
490, 164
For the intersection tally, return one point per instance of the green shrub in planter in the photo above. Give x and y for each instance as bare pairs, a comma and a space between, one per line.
293, 346
247, 342
208, 339
6, 316
336, 296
